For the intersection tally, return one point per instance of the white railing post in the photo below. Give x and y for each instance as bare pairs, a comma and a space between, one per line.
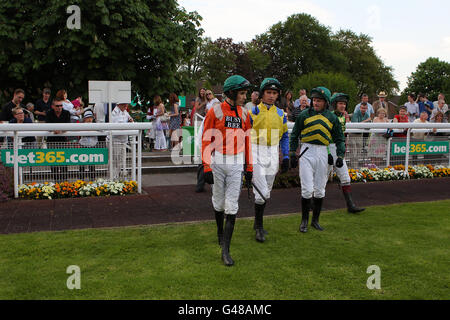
111, 155
133, 158
449, 152
139, 159
388, 158
20, 144
198, 119
195, 138
408, 142
16, 164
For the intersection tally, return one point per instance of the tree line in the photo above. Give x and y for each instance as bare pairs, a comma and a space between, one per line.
160, 47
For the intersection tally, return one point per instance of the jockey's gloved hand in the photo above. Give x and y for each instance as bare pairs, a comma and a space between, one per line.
285, 165
248, 178
294, 160
339, 162
330, 160
209, 178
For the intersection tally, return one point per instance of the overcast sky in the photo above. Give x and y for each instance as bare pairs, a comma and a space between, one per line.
405, 33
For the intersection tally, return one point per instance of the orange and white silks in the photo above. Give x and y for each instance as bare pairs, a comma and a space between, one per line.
226, 131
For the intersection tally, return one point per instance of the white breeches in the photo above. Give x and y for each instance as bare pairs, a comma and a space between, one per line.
227, 171
313, 171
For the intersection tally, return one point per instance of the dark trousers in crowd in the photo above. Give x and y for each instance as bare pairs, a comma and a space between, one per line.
200, 179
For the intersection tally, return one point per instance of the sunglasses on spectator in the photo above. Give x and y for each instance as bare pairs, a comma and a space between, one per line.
58, 105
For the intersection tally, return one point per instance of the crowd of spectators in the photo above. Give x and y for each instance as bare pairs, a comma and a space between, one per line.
167, 120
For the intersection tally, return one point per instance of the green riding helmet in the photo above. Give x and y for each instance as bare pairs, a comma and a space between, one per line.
321, 93
270, 84
234, 84
339, 97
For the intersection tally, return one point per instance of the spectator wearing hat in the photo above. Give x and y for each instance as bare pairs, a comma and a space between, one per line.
390, 107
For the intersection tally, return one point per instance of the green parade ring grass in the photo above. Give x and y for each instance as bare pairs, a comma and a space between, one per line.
409, 242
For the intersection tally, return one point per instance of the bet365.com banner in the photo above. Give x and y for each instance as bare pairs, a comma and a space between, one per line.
56, 157
425, 147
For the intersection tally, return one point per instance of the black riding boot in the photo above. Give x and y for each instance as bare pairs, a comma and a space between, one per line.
351, 208
265, 232
219, 222
316, 213
306, 204
200, 179
228, 233
259, 214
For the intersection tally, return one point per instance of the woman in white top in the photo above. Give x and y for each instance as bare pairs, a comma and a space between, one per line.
211, 98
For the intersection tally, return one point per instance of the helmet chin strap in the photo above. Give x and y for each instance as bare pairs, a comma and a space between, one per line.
231, 103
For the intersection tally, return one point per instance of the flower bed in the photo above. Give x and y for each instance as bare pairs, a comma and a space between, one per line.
398, 173
374, 174
76, 189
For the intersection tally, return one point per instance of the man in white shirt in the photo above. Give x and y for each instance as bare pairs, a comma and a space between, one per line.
412, 108
120, 115
100, 111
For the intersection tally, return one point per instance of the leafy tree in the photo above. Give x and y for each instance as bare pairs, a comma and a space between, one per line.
298, 46
363, 65
137, 40
218, 63
431, 77
335, 82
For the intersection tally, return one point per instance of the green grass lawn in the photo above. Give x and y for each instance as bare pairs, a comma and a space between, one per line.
410, 243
